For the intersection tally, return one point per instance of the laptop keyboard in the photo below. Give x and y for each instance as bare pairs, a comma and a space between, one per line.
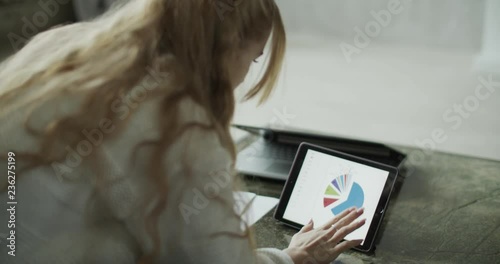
275, 151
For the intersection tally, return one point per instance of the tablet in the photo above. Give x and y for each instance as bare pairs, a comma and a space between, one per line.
323, 183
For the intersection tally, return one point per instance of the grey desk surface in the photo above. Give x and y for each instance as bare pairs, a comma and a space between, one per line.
445, 210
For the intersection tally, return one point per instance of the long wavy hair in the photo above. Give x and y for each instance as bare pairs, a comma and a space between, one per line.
192, 40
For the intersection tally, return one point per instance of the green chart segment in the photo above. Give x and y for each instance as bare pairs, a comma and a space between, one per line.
343, 187
336, 189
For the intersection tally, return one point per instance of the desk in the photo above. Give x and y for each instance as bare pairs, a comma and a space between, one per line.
446, 211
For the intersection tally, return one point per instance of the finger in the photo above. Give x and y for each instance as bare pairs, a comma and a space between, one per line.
308, 227
346, 245
346, 230
331, 231
346, 220
338, 217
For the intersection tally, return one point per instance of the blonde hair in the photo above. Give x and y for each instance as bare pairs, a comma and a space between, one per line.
190, 39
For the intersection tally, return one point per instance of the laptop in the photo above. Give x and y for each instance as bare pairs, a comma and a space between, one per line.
272, 155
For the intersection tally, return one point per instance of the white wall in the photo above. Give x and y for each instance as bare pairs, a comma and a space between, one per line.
435, 23
397, 92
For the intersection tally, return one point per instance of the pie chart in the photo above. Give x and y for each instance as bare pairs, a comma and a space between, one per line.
343, 193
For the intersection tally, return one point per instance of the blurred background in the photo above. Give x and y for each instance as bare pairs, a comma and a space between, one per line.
407, 73
421, 73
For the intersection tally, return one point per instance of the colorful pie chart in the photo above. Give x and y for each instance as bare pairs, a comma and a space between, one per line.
343, 193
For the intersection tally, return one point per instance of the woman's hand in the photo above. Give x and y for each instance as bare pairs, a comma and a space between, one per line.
321, 245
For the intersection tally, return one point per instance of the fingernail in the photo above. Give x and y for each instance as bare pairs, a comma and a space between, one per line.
362, 221
352, 209
361, 209
310, 222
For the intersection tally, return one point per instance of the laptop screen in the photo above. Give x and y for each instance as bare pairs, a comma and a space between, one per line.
327, 185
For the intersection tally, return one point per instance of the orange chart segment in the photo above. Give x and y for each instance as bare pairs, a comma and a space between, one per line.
328, 201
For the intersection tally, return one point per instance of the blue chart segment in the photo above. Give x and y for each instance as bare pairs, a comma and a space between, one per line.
344, 189
356, 198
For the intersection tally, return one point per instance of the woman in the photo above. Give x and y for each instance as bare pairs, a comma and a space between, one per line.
120, 131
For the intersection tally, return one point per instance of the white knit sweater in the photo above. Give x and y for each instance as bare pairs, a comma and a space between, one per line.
61, 221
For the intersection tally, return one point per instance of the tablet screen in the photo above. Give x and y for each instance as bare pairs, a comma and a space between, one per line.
327, 185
